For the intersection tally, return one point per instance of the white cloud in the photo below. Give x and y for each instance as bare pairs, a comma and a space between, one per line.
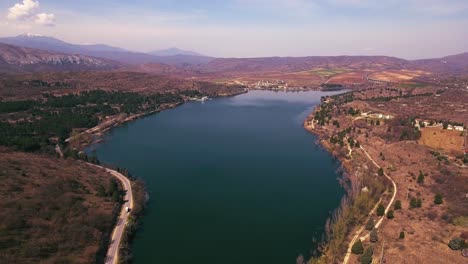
45, 19
23, 11
26, 12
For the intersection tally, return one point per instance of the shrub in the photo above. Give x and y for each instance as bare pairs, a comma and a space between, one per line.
438, 199
374, 236
366, 258
455, 243
380, 172
390, 214
402, 235
415, 203
380, 210
421, 177
357, 248
397, 205
370, 224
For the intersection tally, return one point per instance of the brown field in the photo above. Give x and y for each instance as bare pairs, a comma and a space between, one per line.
441, 139
397, 75
450, 105
349, 78
50, 210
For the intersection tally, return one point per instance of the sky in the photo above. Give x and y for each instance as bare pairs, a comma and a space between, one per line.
410, 29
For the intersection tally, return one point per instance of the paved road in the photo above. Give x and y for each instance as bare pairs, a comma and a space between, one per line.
358, 233
113, 251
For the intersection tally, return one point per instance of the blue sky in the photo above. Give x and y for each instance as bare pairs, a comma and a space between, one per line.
251, 28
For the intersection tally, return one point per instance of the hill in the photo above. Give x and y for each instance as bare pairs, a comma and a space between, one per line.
15, 59
174, 51
52, 211
450, 64
289, 64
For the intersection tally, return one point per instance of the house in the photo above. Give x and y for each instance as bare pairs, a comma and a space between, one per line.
459, 128
450, 127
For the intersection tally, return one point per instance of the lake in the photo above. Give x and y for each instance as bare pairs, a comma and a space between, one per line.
231, 180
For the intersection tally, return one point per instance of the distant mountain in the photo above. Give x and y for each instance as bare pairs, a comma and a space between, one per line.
453, 64
105, 51
53, 44
289, 64
14, 59
174, 52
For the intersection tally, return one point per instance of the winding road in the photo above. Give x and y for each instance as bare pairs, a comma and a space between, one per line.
112, 255
359, 231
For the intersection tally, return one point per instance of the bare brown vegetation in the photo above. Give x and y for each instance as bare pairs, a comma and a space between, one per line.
51, 210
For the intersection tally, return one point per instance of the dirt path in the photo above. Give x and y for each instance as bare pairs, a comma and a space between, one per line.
358, 233
113, 251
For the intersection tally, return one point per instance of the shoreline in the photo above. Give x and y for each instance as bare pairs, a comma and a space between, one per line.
356, 230
97, 132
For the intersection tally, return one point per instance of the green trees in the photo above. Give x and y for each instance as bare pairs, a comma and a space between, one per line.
336, 123
366, 258
402, 235
456, 243
380, 210
370, 224
421, 177
445, 124
357, 248
57, 116
380, 172
438, 199
390, 214
353, 112
397, 205
374, 236
415, 203
357, 145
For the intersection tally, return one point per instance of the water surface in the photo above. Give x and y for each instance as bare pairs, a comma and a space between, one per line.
232, 180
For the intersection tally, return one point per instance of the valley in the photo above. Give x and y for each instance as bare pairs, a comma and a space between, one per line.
386, 121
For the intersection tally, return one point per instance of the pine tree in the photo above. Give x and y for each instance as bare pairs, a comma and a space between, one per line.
357, 248
370, 224
397, 205
373, 236
380, 172
421, 177
380, 210
390, 214
366, 258
402, 235
438, 199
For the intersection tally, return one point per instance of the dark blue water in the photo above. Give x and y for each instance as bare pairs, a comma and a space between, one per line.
232, 180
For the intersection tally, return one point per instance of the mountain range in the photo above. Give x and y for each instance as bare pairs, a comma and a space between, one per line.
14, 59
33, 53
172, 56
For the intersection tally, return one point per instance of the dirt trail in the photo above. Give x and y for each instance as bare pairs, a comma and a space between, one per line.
358, 233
